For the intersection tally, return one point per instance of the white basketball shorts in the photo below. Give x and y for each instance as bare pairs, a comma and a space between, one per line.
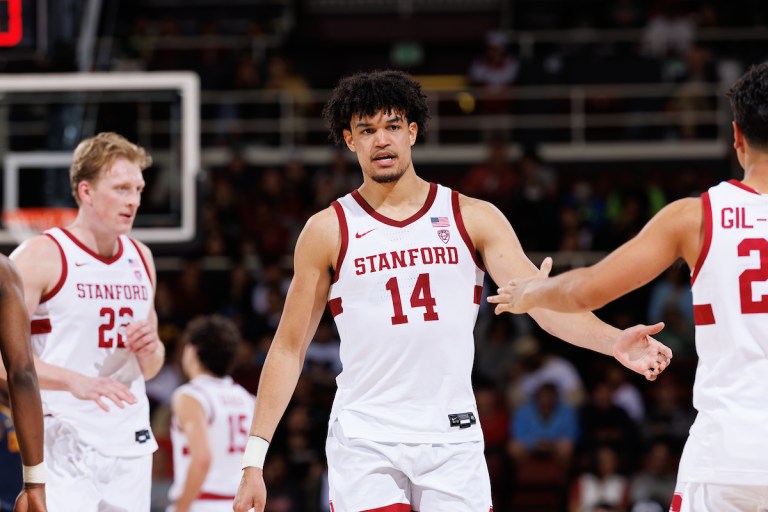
81, 478
703, 497
365, 475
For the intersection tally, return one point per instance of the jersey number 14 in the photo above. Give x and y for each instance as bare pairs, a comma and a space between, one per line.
421, 297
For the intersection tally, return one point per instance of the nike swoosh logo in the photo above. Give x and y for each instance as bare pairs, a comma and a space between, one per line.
361, 235
80, 264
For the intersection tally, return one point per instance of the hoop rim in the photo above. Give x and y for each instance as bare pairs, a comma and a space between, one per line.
24, 223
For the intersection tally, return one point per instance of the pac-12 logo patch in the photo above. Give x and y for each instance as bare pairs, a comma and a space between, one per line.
444, 235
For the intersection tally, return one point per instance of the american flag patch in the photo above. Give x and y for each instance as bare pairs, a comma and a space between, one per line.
440, 222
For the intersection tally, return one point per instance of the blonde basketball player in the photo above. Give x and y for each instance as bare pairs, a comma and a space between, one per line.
400, 261
89, 290
211, 417
723, 237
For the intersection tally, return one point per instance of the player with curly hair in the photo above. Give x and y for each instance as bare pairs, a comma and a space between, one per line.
400, 262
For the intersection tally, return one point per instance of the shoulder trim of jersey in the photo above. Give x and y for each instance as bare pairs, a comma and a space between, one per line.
195, 387
102, 259
64, 269
344, 238
737, 183
397, 223
706, 208
463, 230
143, 260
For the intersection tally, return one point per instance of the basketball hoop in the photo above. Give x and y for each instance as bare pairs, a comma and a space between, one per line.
24, 223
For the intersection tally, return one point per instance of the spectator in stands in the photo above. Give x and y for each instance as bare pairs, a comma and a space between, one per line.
496, 179
494, 71
600, 486
602, 423
495, 351
539, 367
695, 94
544, 427
655, 481
669, 31
625, 394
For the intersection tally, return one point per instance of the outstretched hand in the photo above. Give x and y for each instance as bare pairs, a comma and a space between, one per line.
512, 297
638, 351
252, 493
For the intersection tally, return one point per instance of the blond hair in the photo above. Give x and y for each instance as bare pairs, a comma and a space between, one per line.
94, 155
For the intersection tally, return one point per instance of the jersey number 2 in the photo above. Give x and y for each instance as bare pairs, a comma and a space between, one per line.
420, 298
107, 334
752, 275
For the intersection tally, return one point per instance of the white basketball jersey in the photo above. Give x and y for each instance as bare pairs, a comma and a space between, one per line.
229, 408
730, 296
79, 325
405, 298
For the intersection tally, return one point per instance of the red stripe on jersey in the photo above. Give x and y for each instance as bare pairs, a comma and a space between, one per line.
212, 496
141, 255
742, 186
397, 223
335, 306
397, 507
344, 238
703, 314
40, 326
463, 230
706, 208
62, 278
99, 257
478, 294
677, 503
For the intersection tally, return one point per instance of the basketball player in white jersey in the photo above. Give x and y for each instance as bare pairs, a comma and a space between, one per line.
723, 237
211, 417
400, 261
19, 371
89, 290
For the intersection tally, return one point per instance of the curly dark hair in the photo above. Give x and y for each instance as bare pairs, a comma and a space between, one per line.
365, 94
749, 104
216, 339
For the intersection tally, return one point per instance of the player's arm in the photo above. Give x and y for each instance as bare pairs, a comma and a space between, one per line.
194, 423
141, 335
675, 232
38, 262
19, 363
500, 249
315, 253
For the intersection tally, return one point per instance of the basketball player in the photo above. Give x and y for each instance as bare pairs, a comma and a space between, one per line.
723, 237
19, 370
89, 290
211, 416
400, 261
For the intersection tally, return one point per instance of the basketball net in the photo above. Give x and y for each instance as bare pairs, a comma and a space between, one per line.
24, 223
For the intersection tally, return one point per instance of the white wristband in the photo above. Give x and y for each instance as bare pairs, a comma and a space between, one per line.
255, 452
34, 474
